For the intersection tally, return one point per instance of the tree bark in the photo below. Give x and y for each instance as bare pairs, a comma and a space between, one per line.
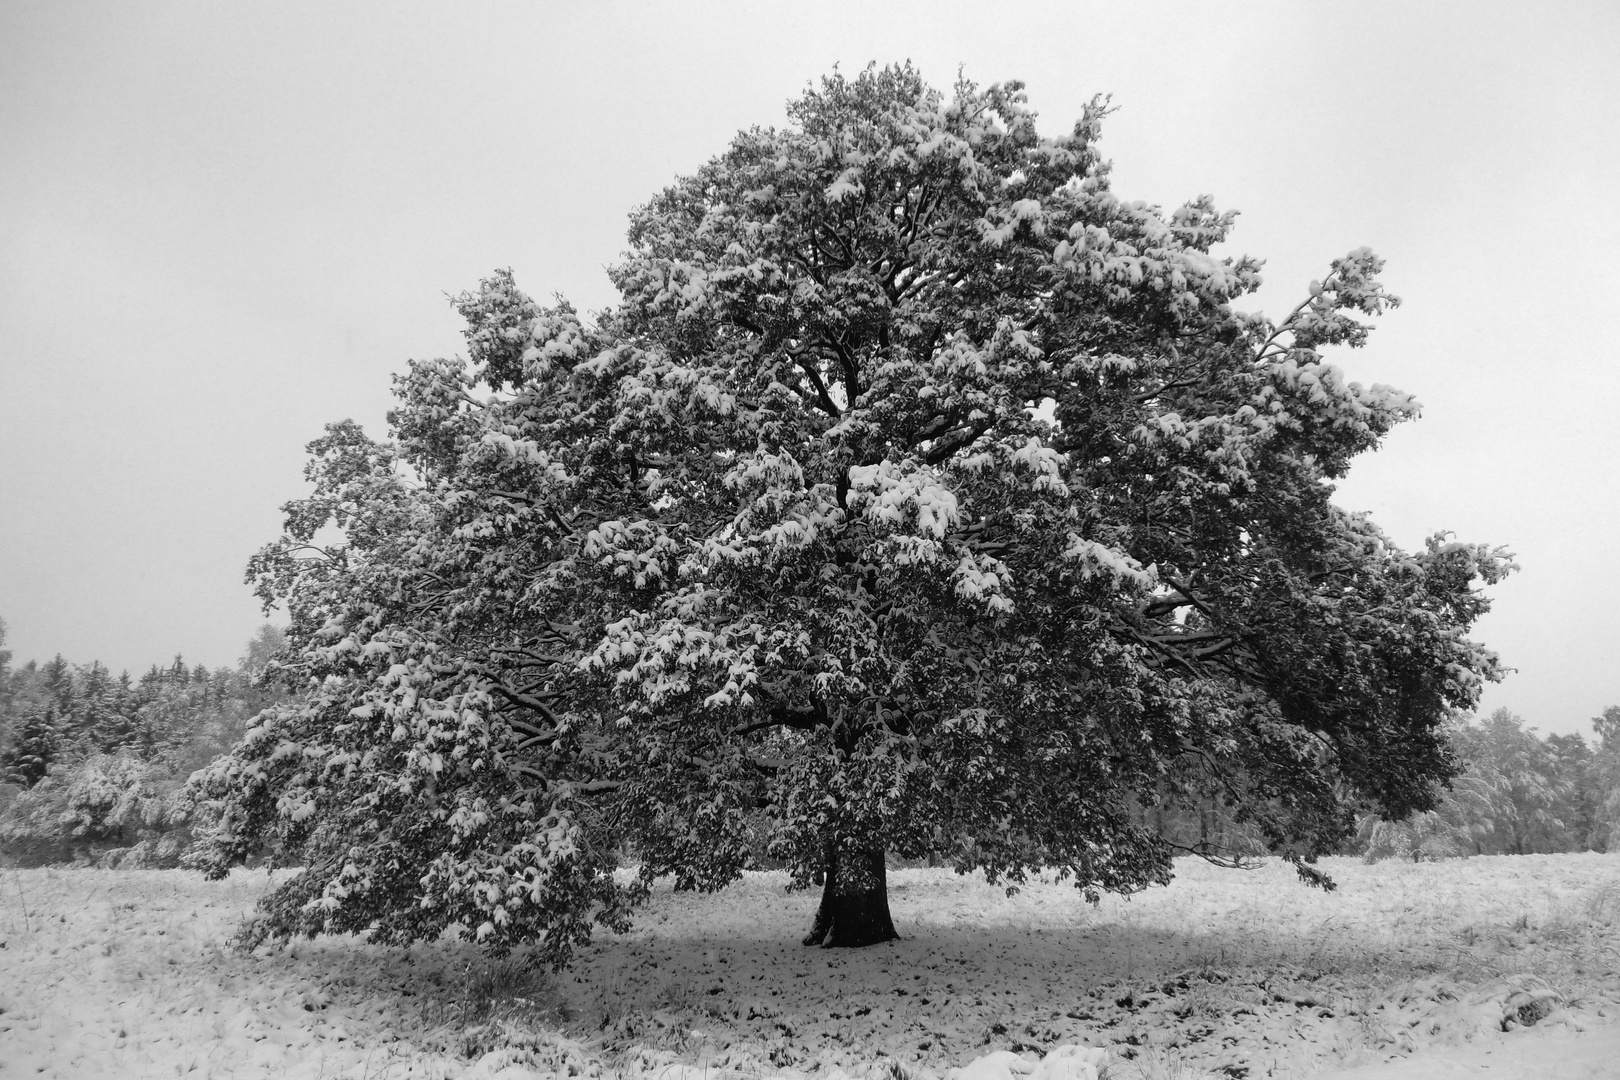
854, 909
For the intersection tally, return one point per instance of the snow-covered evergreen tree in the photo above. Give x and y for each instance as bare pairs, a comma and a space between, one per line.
922, 496
28, 759
1602, 782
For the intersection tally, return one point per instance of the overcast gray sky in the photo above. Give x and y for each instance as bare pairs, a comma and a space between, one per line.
222, 226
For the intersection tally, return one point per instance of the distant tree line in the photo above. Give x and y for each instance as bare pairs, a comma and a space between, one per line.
1518, 793
93, 766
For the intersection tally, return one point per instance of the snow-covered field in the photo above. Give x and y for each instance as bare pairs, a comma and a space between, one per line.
1224, 974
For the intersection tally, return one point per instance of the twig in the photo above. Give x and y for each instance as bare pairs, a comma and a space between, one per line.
16, 877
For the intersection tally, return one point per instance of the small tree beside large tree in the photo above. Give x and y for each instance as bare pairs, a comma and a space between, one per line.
921, 497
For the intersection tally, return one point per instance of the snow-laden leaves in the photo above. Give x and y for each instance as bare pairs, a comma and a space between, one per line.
920, 494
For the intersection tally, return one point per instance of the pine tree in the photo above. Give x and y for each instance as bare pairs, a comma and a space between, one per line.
1517, 765
29, 759
1570, 760
6, 692
56, 682
1603, 781
5, 668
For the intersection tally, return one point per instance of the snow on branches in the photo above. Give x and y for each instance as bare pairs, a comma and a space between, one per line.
921, 495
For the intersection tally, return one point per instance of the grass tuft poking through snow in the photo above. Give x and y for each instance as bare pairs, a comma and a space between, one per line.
1225, 974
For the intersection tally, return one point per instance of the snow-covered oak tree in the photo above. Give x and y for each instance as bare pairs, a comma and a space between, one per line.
921, 497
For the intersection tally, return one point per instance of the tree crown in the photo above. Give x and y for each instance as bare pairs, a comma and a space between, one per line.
920, 494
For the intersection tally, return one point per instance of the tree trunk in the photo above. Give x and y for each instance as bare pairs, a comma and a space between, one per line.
854, 907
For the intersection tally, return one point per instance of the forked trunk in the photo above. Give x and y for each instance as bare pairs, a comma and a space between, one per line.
854, 907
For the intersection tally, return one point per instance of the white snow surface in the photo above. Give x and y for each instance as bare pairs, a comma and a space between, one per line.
1408, 970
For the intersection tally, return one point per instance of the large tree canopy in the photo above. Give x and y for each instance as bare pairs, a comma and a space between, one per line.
921, 496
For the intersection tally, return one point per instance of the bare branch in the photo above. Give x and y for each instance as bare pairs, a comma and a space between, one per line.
1210, 855
526, 701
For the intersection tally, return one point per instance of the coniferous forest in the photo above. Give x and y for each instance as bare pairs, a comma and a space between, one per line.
94, 766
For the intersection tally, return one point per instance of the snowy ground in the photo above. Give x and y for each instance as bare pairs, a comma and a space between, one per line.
1224, 974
